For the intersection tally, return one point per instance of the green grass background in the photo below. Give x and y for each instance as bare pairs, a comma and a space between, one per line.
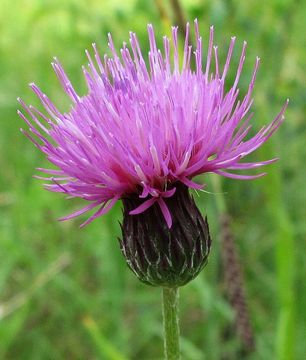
66, 293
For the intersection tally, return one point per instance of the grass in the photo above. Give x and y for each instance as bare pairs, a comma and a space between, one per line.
66, 293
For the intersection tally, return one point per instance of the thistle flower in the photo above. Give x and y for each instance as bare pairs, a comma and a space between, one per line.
143, 132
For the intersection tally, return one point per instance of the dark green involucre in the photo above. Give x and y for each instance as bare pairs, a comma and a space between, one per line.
160, 256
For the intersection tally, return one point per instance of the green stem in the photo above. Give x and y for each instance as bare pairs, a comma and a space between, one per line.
171, 323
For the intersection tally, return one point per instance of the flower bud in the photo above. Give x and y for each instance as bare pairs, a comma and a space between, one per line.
163, 256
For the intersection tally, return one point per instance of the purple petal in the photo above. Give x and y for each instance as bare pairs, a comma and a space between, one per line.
79, 212
102, 210
143, 207
165, 211
240, 177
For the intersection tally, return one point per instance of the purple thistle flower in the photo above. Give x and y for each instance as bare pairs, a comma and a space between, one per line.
147, 129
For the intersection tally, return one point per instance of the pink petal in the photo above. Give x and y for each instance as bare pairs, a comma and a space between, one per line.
237, 176
168, 193
102, 210
143, 207
79, 212
191, 184
165, 211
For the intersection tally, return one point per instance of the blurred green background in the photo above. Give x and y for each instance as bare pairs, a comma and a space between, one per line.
66, 293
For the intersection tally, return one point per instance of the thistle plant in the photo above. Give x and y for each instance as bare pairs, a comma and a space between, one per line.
146, 127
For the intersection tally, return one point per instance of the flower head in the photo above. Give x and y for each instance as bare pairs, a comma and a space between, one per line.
144, 129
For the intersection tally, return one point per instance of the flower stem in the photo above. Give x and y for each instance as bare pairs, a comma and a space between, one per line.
171, 323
